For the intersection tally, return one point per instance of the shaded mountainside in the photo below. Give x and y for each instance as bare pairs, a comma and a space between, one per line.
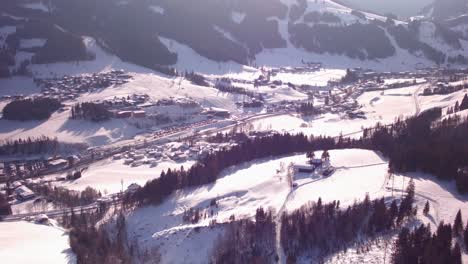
445, 9
226, 30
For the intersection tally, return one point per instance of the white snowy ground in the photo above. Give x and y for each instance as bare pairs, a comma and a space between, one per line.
448, 100
319, 78
107, 175
24, 243
241, 191
23, 207
244, 188
377, 106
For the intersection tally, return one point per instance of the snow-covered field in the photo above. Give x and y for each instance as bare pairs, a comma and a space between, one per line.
240, 191
110, 176
25, 243
378, 106
76, 131
261, 183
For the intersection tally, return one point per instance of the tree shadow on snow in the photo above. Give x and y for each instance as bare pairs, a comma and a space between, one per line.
116, 129
8, 126
447, 185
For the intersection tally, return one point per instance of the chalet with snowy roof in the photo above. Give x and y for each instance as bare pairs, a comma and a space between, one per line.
24, 193
316, 162
57, 163
304, 168
139, 114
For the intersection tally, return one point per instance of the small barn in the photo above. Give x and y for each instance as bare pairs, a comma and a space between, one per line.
316, 162
24, 193
304, 168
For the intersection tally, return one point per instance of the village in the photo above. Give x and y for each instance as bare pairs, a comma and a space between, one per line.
71, 87
165, 117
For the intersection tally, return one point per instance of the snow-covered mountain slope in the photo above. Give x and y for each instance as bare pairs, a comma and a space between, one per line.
240, 192
285, 33
401, 8
160, 230
44, 244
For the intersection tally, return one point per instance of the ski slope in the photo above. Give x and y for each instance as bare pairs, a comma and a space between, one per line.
244, 188
240, 191
110, 176
24, 243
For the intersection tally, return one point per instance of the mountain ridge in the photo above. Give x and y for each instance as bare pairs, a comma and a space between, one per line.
239, 31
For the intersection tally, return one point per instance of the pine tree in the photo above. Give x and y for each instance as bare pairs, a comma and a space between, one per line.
426, 208
456, 254
325, 155
464, 103
465, 237
410, 190
458, 224
402, 246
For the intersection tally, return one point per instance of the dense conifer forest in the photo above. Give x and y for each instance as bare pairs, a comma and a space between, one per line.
90, 111
329, 228
39, 145
31, 109
424, 143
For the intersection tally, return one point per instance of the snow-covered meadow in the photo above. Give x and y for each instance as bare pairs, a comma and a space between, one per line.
24, 242
262, 183
110, 176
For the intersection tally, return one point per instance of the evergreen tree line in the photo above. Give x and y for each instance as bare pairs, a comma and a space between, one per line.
31, 109
424, 143
94, 244
209, 168
464, 103
65, 197
196, 78
90, 111
39, 145
233, 89
307, 109
459, 107
329, 229
422, 246
5, 208
247, 241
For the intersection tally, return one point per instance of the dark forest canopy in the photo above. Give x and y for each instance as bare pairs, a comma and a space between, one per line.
145, 32
90, 111
31, 109
424, 144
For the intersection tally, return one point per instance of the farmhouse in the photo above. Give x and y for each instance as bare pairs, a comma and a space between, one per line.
316, 162
304, 168
57, 163
139, 114
123, 114
24, 193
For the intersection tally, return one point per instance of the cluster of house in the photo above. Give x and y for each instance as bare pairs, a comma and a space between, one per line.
217, 112
70, 87
18, 178
174, 151
22, 168
129, 101
18, 191
314, 165
171, 108
444, 88
128, 113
